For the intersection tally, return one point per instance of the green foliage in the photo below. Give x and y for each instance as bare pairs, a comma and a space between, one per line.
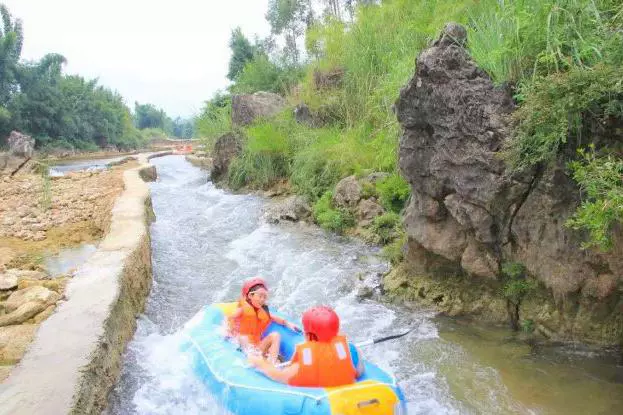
520, 39
242, 52
149, 134
313, 174
183, 128
527, 325
257, 169
261, 74
368, 190
214, 119
11, 41
330, 218
555, 111
288, 17
394, 251
148, 116
387, 227
516, 284
393, 192
601, 181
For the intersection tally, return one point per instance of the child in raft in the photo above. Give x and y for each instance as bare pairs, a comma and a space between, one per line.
253, 317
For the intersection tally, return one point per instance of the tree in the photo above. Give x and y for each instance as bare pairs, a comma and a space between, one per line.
11, 41
184, 128
242, 53
289, 17
148, 116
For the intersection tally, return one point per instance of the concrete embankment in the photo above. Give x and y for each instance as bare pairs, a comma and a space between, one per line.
76, 356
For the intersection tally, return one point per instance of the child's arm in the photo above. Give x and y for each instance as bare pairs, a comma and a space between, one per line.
285, 323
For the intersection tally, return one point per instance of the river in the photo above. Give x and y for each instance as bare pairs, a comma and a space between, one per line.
205, 241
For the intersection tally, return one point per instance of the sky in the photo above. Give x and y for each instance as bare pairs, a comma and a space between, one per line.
171, 54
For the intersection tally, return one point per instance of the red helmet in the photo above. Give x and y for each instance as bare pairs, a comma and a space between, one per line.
321, 321
250, 283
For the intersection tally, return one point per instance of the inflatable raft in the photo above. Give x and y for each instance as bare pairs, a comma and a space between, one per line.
244, 391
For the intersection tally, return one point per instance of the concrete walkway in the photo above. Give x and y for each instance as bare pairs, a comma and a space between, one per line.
76, 356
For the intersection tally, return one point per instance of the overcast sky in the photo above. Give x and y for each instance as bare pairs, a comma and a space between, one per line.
173, 56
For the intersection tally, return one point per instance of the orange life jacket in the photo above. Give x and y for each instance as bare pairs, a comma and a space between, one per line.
323, 364
251, 322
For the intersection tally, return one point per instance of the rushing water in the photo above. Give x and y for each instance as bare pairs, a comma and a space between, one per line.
205, 241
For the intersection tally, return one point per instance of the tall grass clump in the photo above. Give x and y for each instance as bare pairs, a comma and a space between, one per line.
215, 119
520, 39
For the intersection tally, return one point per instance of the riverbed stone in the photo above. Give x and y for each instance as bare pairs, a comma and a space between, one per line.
8, 281
35, 294
14, 341
367, 210
292, 208
347, 192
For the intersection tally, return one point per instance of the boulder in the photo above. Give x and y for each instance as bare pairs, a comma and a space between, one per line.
303, 115
292, 208
148, 174
328, 79
8, 281
21, 145
377, 176
367, 210
20, 151
34, 294
347, 192
226, 148
14, 341
246, 108
454, 123
24, 274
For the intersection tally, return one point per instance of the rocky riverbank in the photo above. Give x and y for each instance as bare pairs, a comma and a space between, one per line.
485, 241
40, 216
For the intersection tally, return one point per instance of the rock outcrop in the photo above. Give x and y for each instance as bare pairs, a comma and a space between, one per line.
21, 147
246, 108
468, 212
226, 148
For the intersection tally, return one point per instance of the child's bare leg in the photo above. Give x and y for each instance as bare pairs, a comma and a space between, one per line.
270, 346
245, 344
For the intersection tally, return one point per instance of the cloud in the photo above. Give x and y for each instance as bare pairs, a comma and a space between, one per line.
171, 54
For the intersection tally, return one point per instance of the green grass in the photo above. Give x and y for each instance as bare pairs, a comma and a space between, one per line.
330, 218
562, 57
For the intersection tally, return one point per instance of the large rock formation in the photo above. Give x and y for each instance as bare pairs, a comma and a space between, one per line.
246, 108
468, 212
21, 148
226, 148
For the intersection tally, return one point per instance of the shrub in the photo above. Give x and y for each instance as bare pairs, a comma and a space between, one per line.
555, 109
393, 192
601, 181
214, 120
394, 251
516, 284
312, 174
336, 220
386, 227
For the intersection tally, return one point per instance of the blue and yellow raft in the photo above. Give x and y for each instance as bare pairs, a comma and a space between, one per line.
244, 391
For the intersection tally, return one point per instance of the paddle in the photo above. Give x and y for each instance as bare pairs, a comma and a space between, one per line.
364, 343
